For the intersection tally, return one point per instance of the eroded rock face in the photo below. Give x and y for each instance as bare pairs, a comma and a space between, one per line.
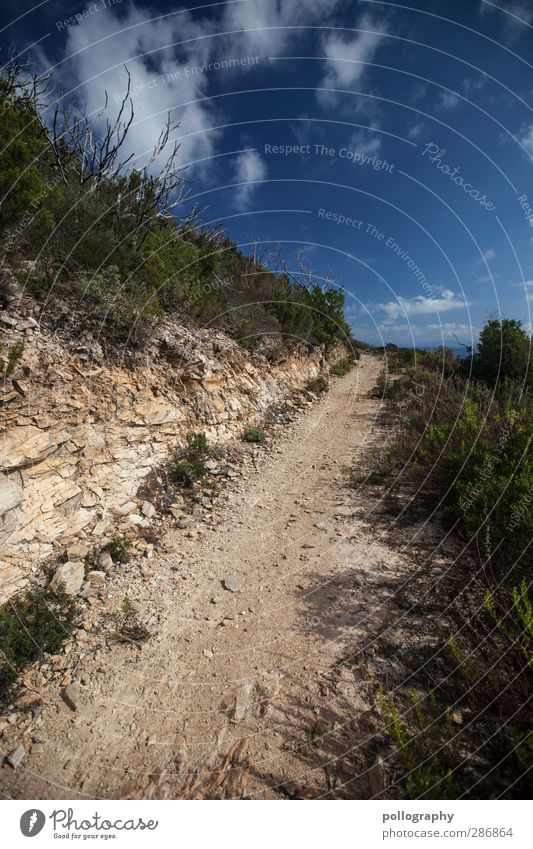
27, 445
11, 495
81, 433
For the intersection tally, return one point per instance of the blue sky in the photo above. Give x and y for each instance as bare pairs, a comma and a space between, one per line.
391, 143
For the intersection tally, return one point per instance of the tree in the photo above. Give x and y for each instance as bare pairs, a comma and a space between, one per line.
503, 353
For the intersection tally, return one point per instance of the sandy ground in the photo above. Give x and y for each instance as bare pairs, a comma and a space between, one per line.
262, 692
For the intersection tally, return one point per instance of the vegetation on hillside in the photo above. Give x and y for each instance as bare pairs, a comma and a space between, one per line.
463, 447
83, 227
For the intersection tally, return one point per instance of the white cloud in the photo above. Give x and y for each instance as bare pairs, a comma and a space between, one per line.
416, 130
365, 143
269, 23
249, 168
528, 284
170, 60
489, 254
472, 87
447, 101
526, 138
346, 55
420, 305
160, 82
514, 13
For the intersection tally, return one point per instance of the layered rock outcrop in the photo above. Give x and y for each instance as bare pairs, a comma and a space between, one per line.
81, 431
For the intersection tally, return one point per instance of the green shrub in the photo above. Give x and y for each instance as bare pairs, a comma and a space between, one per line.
21, 147
469, 452
342, 367
13, 356
516, 623
108, 304
318, 385
197, 446
187, 465
119, 548
254, 434
384, 388
128, 629
417, 736
32, 624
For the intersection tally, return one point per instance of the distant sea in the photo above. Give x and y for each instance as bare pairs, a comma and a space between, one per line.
458, 350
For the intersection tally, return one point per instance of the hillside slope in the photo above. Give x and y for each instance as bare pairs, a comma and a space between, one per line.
81, 431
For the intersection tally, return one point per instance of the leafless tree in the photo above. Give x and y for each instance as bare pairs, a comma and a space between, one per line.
74, 135
303, 276
18, 81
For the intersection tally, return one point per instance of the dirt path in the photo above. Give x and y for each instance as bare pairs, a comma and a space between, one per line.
241, 692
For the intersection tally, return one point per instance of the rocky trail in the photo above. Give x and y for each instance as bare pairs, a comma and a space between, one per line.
257, 678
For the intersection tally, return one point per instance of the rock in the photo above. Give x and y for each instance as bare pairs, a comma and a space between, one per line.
97, 579
78, 551
8, 320
321, 526
24, 446
105, 560
126, 508
185, 522
230, 583
243, 700
307, 545
16, 757
70, 574
38, 737
207, 653
11, 495
71, 695
148, 510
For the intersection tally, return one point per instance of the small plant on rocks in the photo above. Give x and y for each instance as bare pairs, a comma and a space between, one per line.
187, 465
13, 356
342, 367
128, 628
34, 623
254, 434
318, 385
119, 548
